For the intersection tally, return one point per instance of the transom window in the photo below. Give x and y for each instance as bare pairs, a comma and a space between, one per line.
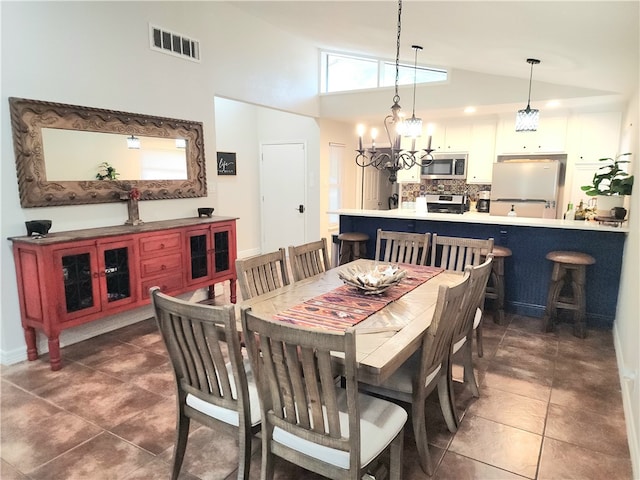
342, 73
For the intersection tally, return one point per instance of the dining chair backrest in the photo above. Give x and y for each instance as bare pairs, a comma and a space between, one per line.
402, 247
455, 253
474, 296
263, 273
307, 418
309, 259
436, 342
213, 386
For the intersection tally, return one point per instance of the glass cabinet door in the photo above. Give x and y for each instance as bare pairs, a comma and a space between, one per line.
199, 254
78, 287
80, 284
221, 251
115, 274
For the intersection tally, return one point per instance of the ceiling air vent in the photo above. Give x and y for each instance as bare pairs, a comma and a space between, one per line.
174, 43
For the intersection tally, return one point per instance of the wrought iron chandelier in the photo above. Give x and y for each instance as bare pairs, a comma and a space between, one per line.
527, 118
396, 127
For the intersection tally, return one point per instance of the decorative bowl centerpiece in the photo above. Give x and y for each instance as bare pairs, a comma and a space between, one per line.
372, 281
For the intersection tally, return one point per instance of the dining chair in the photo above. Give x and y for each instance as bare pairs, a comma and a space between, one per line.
263, 273
428, 368
402, 247
455, 253
308, 418
309, 259
463, 334
215, 385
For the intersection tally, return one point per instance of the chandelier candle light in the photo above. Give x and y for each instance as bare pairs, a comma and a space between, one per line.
397, 159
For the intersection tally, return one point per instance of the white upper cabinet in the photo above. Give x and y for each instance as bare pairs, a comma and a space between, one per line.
452, 137
410, 176
481, 153
594, 135
550, 137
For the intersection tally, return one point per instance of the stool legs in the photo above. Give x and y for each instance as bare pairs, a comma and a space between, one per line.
495, 289
345, 252
350, 251
561, 276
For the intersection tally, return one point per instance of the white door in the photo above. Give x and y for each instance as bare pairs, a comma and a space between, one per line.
370, 188
283, 187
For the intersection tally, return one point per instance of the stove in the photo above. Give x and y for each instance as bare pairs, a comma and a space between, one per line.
440, 203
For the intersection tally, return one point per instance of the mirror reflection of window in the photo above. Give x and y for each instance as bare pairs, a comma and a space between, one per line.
74, 155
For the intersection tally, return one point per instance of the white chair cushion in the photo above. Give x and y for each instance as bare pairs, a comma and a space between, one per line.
477, 318
459, 344
380, 422
223, 414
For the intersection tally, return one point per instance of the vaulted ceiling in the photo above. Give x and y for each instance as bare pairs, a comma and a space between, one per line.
589, 50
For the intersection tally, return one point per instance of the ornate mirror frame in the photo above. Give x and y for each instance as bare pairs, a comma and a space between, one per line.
28, 117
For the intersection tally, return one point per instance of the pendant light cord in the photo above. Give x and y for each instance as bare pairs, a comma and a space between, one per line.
530, 78
396, 98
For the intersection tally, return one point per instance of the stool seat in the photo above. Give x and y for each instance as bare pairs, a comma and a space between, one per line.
353, 237
353, 245
499, 251
572, 258
567, 288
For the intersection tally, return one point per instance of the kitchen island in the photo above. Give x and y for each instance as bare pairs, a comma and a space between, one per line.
527, 272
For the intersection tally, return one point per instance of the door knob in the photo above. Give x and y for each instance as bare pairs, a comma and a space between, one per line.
301, 208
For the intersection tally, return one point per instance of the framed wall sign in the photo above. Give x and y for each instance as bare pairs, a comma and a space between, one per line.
226, 163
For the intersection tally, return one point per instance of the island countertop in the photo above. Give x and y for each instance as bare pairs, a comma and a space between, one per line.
484, 218
527, 271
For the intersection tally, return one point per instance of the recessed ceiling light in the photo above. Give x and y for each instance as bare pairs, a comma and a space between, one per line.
470, 110
553, 103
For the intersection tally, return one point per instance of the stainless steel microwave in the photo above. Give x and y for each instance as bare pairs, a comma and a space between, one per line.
445, 166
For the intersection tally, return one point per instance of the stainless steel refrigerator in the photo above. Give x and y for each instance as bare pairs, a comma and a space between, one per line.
532, 187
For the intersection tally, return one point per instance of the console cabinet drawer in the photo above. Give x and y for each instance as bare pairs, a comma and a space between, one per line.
167, 284
160, 265
159, 244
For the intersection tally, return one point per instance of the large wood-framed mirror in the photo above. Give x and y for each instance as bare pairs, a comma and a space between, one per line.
60, 150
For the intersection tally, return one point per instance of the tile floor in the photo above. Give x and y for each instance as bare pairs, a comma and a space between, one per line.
550, 408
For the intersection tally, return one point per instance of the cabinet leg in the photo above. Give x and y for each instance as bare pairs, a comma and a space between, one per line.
32, 347
54, 353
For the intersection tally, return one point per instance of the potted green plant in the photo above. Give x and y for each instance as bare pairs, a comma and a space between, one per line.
610, 184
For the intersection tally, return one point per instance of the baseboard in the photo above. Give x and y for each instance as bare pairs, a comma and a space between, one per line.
627, 384
593, 320
92, 329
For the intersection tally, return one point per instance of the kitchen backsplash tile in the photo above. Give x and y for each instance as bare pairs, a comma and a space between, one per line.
409, 191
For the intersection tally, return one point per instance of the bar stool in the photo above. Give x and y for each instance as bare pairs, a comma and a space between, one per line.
569, 271
353, 245
495, 286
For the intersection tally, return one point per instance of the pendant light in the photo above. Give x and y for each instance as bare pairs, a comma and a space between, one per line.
395, 158
527, 119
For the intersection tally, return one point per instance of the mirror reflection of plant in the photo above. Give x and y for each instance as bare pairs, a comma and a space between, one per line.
106, 172
610, 179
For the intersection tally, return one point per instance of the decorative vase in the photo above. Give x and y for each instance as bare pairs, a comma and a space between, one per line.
134, 214
606, 203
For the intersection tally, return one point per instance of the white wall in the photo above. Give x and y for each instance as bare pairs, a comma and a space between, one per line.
97, 54
627, 327
241, 128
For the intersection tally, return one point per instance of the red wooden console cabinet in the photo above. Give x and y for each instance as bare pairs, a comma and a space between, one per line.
71, 278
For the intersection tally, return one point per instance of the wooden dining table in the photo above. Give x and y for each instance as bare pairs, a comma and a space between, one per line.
386, 338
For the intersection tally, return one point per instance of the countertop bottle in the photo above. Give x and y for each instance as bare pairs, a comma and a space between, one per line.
570, 214
580, 213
